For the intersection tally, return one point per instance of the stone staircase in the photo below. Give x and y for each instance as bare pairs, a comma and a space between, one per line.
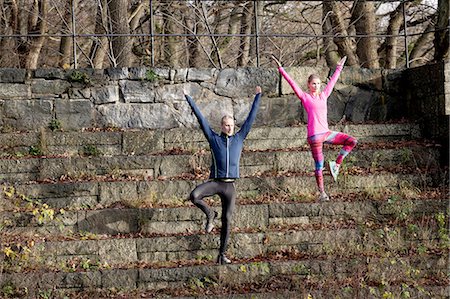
103, 214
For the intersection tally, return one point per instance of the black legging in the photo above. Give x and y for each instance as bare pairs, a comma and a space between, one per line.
227, 194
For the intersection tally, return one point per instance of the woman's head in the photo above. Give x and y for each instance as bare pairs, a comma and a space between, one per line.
227, 125
314, 83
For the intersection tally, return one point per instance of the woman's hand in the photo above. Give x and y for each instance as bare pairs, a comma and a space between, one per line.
342, 61
276, 60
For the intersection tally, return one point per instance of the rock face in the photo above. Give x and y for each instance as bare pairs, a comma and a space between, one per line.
141, 98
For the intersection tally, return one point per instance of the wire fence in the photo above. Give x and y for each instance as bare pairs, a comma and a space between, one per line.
151, 38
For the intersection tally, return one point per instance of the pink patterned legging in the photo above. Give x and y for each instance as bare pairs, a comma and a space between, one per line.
331, 137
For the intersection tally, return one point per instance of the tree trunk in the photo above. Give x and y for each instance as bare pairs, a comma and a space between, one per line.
365, 24
330, 48
66, 45
195, 26
421, 46
171, 50
99, 46
395, 23
339, 28
39, 18
246, 30
441, 36
121, 45
9, 23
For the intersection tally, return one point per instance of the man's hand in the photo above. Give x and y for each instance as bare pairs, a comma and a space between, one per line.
276, 60
258, 89
342, 61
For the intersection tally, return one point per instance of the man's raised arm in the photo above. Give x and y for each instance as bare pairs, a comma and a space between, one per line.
204, 125
246, 126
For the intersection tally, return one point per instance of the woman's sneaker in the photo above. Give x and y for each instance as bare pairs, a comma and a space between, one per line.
223, 260
334, 169
324, 197
210, 222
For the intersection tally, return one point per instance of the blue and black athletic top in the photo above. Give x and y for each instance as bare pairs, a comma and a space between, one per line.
225, 150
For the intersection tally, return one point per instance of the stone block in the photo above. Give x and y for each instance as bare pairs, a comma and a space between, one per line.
137, 91
40, 87
244, 81
122, 279
105, 94
74, 114
14, 91
117, 192
109, 221
143, 142
118, 73
11, 75
118, 251
50, 74
207, 74
136, 116
27, 115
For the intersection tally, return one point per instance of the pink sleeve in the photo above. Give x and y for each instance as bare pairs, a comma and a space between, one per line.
330, 85
298, 91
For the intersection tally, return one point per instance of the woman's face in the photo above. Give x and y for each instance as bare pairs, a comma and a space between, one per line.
314, 85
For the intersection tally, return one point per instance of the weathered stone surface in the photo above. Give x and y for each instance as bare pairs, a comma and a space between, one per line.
110, 193
53, 73
117, 73
143, 142
79, 93
279, 112
136, 116
105, 94
14, 91
123, 279
137, 91
202, 74
118, 251
74, 114
244, 81
28, 115
41, 87
11, 75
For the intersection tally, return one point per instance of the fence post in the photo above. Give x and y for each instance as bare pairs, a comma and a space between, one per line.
152, 38
74, 39
255, 9
405, 35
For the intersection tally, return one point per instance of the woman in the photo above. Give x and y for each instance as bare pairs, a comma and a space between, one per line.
315, 104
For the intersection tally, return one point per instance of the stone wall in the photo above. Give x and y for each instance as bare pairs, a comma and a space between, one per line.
427, 101
140, 98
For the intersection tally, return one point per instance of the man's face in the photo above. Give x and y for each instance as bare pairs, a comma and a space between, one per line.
228, 126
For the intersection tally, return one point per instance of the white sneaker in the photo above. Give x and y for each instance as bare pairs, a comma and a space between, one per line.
324, 197
210, 222
334, 169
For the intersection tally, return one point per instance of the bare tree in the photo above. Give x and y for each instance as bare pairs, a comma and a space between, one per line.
365, 24
37, 25
246, 30
395, 23
441, 37
339, 28
119, 24
66, 44
99, 45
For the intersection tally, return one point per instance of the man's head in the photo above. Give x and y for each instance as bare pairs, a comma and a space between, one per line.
227, 125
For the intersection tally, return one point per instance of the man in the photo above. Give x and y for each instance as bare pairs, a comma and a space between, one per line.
226, 150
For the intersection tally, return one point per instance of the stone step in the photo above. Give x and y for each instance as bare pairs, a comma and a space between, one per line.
174, 191
253, 163
138, 142
420, 276
254, 217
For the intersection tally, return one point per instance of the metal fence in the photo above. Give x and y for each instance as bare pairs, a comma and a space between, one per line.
76, 34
